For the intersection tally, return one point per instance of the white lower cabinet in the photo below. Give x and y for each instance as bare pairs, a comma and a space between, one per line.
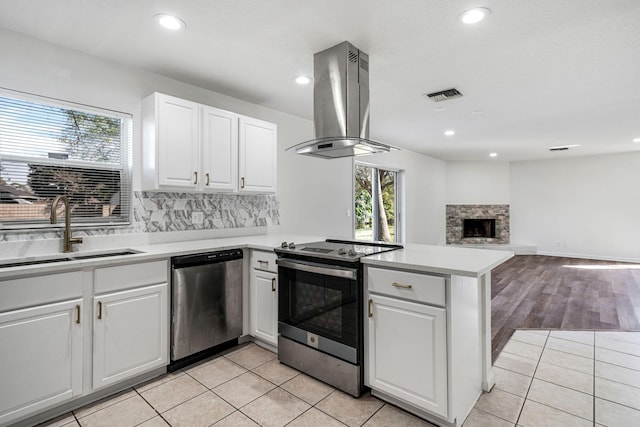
41, 353
263, 302
129, 333
407, 352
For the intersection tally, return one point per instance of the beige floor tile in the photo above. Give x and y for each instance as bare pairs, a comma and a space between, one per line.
275, 372
62, 420
614, 415
584, 337
203, 410
512, 382
154, 422
216, 372
572, 347
157, 381
389, 415
172, 393
562, 398
617, 358
349, 410
529, 337
308, 389
567, 360
602, 341
104, 403
523, 349
128, 412
237, 419
251, 356
314, 417
515, 363
535, 414
243, 389
632, 337
618, 374
565, 377
619, 393
478, 418
275, 409
501, 404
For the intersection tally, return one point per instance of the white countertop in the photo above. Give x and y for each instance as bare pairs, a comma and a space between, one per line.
440, 259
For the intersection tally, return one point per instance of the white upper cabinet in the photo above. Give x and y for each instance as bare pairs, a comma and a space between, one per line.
194, 147
258, 148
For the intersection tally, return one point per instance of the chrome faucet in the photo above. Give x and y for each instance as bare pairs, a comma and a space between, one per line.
68, 240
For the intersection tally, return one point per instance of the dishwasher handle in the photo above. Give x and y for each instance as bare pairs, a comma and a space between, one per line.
206, 258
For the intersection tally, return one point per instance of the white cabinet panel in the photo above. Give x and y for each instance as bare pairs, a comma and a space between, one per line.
130, 333
41, 353
407, 351
263, 300
258, 158
219, 150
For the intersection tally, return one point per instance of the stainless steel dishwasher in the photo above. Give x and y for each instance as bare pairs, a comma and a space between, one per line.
206, 305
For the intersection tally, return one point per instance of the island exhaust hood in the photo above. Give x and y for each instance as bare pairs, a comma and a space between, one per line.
341, 105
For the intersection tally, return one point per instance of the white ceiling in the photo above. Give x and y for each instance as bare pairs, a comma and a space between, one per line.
536, 73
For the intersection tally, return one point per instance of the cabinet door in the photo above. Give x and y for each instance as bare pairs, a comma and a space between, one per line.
263, 300
178, 146
41, 353
407, 352
219, 150
130, 333
258, 152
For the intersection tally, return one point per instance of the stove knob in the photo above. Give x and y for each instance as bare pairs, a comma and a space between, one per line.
342, 251
292, 245
352, 252
283, 245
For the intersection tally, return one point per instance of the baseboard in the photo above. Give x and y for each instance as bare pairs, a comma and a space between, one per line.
589, 256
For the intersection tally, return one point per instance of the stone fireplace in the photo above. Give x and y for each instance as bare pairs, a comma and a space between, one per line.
478, 224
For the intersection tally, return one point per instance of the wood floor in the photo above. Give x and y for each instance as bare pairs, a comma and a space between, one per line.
542, 292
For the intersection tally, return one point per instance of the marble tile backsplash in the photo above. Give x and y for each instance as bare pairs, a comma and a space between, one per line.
164, 211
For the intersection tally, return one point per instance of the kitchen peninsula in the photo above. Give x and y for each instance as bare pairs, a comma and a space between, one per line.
453, 283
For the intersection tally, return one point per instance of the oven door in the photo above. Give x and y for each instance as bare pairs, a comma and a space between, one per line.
318, 305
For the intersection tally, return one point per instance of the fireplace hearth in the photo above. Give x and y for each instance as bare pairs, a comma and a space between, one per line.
478, 225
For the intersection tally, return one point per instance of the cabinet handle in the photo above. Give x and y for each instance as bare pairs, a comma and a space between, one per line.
260, 261
206, 175
242, 182
195, 179
78, 314
273, 284
370, 308
399, 285
99, 310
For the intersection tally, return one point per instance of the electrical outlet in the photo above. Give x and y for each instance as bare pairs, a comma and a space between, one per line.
197, 218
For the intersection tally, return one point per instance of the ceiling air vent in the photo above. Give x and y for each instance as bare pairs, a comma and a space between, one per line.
444, 95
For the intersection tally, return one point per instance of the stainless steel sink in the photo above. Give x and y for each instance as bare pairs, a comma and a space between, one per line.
78, 257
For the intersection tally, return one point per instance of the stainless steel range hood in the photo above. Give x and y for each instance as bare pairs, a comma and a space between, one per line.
341, 105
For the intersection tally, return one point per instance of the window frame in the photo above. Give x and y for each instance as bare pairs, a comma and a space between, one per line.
124, 166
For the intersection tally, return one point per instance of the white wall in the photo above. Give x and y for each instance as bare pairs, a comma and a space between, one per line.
477, 183
583, 206
424, 201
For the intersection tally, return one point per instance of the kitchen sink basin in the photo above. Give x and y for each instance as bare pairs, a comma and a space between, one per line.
70, 257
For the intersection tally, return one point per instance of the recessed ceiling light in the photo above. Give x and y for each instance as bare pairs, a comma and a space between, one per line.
636, 139
493, 154
439, 109
475, 15
449, 132
303, 80
170, 22
477, 113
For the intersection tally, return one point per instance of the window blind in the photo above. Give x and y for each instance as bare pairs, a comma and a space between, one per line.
50, 148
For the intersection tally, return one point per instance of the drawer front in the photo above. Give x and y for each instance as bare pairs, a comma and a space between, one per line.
36, 290
410, 286
121, 277
263, 260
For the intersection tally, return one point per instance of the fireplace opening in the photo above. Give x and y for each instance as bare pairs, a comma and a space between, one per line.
472, 228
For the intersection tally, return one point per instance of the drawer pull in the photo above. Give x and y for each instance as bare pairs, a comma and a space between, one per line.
400, 285
195, 179
78, 314
242, 182
370, 308
206, 175
99, 310
260, 261
273, 284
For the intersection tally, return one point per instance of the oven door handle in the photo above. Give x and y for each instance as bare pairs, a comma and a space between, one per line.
309, 267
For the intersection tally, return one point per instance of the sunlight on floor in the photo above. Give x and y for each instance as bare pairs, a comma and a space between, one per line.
606, 267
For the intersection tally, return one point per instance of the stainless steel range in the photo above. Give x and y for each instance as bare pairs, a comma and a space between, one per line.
320, 309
